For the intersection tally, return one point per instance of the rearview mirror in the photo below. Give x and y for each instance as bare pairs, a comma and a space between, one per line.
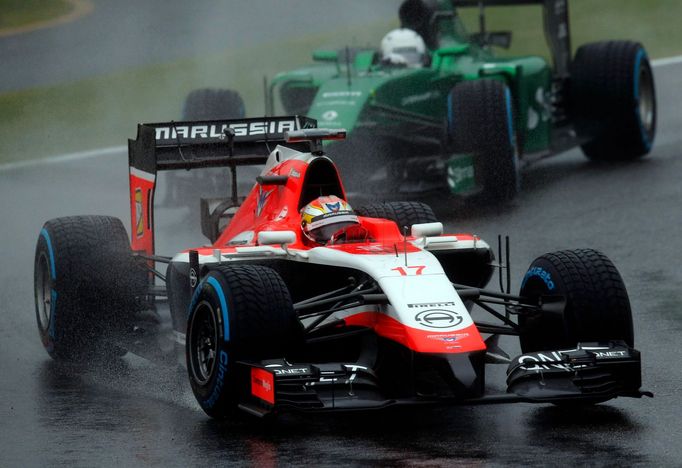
276, 237
326, 56
427, 229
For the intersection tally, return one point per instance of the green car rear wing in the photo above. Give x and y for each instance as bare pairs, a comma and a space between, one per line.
557, 31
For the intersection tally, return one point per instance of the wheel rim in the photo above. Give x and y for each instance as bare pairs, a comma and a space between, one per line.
43, 293
203, 343
646, 100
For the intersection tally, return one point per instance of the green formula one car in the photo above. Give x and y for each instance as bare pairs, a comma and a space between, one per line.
434, 109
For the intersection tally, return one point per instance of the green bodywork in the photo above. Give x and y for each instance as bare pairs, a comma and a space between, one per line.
353, 89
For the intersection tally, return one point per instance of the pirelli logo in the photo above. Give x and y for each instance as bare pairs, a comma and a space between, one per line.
217, 131
430, 304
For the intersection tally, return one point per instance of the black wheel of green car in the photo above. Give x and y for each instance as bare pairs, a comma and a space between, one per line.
210, 104
597, 304
203, 104
613, 100
237, 312
403, 213
86, 285
480, 122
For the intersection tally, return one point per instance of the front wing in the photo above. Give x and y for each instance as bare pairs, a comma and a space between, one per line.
592, 372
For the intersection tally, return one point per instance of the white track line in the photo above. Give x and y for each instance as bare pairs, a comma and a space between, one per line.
662, 62
64, 158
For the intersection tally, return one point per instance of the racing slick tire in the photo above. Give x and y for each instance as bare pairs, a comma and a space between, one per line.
237, 313
597, 304
402, 213
613, 100
480, 122
87, 284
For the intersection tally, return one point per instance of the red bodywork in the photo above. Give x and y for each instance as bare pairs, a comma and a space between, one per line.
276, 208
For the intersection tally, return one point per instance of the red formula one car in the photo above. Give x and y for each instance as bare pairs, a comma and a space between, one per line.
301, 302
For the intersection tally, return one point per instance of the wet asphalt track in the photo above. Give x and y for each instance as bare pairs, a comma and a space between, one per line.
138, 414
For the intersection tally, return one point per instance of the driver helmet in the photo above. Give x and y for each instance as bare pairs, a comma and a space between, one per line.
324, 216
403, 46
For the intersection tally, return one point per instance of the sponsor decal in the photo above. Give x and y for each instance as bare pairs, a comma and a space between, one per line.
294, 173
334, 207
541, 111
330, 115
610, 354
448, 338
338, 94
325, 104
541, 273
376, 248
406, 271
461, 176
430, 304
292, 371
533, 119
263, 385
439, 318
139, 212
233, 243
262, 199
222, 369
193, 278
242, 238
282, 214
415, 98
217, 131
553, 359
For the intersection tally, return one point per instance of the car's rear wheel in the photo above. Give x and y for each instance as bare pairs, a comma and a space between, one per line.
203, 104
597, 305
213, 104
480, 122
613, 100
237, 313
86, 284
402, 213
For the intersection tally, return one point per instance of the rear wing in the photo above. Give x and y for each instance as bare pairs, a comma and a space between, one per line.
191, 145
556, 24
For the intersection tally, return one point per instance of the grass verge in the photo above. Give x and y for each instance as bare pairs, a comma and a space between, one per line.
103, 111
654, 23
17, 13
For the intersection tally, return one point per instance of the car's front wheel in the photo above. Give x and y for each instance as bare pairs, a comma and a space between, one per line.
480, 122
597, 304
237, 313
86, 284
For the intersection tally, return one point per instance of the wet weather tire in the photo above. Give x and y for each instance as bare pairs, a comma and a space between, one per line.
86, 284
480, 122
613, 100
203, 104
237, 313
597, 303
403, 213
213, 104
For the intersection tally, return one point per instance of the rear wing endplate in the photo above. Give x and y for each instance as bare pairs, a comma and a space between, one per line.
557, 31
198, 144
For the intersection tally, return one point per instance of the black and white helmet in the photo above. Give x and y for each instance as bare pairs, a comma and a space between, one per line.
403, 47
